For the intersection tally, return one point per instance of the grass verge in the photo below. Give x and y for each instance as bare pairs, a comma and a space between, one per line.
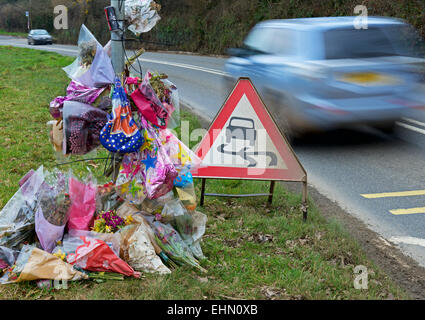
14, 34
254, 251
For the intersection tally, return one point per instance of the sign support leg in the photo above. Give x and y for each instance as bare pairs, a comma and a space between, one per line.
304, 205
270, 201
203, 191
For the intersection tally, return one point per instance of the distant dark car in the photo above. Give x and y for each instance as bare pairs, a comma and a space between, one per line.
241, 129
39, 36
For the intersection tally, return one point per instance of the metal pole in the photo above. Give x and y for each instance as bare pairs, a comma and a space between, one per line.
30, 17
270, 200
203, 191
305, 203
117, 46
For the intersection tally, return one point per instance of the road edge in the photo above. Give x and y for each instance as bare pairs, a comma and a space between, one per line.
402, 269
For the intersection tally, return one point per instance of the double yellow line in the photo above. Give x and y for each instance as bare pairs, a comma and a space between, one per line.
399, 194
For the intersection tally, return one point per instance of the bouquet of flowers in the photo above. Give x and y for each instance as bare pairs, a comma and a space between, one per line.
173, 245
110, 222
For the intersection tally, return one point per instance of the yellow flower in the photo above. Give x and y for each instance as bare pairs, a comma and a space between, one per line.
108, 229
61, 255
129, 219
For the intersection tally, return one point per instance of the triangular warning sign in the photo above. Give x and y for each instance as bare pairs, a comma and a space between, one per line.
244, 142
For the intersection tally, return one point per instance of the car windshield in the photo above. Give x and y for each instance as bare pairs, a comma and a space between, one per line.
40, 32
373, 42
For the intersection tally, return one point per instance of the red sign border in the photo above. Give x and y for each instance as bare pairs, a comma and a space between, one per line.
294, 172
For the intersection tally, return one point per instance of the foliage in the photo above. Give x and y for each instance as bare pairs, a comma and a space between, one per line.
205, 26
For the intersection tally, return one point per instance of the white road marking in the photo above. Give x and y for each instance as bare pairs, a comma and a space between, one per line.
407, 126
187, 66
408, 240
422, 124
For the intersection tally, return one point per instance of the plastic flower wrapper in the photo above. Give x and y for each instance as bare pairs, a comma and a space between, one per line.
137, 249
127, 211
93, 67
83, 203
182, 157
156, 205
72, 241
107, 198
159, 171
82, 126
7, 259
96, 255
199, 222
75, 92
53, 209
141, 15
185, 189
169, 240
189, 224
17, 218
131, 181
157, 100
34, 264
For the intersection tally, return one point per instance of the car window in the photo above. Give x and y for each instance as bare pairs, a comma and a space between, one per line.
407, 40
366, 43
283, 42
272, 40
259, 39
40, 32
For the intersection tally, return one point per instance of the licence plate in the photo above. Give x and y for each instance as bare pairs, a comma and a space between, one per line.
369, 79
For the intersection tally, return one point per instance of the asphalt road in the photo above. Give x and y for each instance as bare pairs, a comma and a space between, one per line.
342, 165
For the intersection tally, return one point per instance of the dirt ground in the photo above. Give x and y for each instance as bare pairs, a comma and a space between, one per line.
402, 269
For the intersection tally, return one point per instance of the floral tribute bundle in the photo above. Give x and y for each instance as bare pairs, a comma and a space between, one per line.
144, 219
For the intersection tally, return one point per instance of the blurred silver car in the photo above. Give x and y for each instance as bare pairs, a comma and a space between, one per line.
39, 36
323, 73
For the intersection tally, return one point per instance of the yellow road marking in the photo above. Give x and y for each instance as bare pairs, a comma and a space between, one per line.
394, 194
408, 211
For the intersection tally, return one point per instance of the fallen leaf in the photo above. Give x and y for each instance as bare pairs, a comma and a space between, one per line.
221, 217
203, 280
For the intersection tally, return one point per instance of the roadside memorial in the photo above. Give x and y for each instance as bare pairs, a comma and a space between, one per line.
244, 142
59, 226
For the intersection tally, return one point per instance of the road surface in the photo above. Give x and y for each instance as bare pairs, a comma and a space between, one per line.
377, 178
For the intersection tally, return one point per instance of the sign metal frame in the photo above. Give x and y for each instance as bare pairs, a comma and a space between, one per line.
304, 207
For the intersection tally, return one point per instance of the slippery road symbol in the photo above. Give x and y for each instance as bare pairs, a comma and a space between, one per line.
246, 155
243, 129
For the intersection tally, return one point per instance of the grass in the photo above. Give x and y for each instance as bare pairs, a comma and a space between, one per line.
14, 34
254, 251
